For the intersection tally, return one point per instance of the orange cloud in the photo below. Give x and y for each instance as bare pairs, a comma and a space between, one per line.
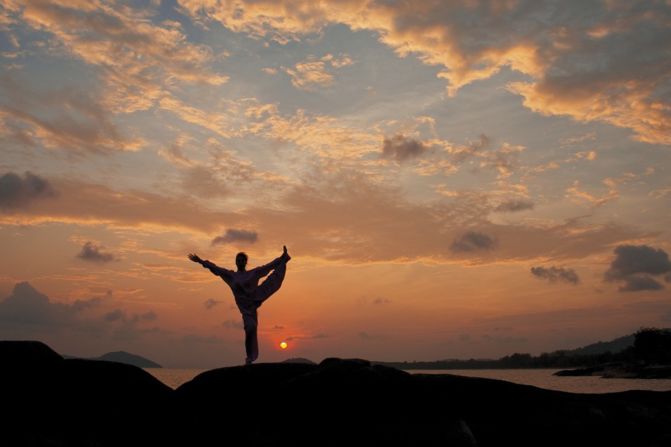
581, 68
136, 58
60, 119
309, 74
342, 216
314, 72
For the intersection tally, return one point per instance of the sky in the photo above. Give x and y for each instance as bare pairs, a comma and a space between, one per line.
454, 179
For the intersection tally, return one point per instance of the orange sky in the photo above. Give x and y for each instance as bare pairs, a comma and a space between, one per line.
452, 180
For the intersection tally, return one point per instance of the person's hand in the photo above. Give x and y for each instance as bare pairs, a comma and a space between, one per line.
194, 257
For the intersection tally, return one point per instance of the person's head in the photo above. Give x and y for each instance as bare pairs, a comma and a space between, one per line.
241, 260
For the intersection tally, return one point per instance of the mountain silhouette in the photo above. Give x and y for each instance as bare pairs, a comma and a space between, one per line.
129, 359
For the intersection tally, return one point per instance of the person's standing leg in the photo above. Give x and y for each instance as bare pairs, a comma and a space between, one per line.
250, 322
271, 284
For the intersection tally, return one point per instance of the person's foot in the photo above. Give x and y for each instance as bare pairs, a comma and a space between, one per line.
285, 254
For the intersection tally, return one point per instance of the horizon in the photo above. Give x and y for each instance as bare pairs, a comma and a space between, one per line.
371, 360
460, 181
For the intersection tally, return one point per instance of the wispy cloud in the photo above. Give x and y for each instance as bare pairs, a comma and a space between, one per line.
558, 53
315, 72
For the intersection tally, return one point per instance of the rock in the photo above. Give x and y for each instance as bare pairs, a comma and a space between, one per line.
591, 371
338, 402
71, 401
621, 370
20, 355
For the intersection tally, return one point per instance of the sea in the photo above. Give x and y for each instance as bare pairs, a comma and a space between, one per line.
541, 378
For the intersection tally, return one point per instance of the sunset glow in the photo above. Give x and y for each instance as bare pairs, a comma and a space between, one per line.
451, 179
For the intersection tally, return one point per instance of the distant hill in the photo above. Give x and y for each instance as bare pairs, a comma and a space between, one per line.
590, 355
122, 357
601, 347
129, 359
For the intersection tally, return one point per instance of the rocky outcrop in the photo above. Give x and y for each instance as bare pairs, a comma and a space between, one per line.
340, 402
621, 370
48, 400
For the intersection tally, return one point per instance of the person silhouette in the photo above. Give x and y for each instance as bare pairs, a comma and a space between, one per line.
248, 293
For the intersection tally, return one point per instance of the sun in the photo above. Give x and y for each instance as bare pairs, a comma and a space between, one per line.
284, 345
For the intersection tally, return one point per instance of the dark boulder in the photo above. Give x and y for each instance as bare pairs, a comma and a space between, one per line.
55, 400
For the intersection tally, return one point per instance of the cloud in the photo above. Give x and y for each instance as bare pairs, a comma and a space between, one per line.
635, 283
307, 337
367, 336
578, 195
65, 118
402, 148
609, 66
114, 315
210, 303
586, 155
381, 300
93, 253
636, 265
134, 56
309, 74
17, 192
554, 274
473, 241
121, 316
316, 215
30, 310
504, 160
342, 60
202, 182
148, 316
514, 205
80, 202
233, 235
233, 324
315, 72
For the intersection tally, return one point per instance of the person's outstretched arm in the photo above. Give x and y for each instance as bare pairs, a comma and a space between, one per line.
211, 266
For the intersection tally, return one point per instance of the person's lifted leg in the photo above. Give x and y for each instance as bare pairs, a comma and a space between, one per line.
274, 281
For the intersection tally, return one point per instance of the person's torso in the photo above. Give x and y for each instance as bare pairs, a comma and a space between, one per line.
243, 285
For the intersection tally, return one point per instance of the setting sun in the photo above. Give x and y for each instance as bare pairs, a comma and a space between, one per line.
284, 345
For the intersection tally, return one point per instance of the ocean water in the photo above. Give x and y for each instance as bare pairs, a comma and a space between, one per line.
542, 378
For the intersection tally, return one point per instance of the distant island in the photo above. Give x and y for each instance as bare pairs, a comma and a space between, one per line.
648, 358
621, 349
124, 357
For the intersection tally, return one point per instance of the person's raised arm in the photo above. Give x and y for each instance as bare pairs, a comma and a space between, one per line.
211, 266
